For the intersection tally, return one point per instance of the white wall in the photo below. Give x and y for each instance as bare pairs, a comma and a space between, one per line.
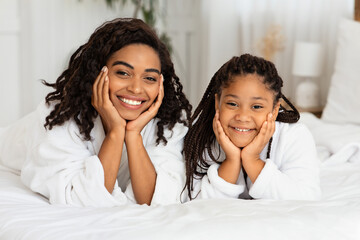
9, 62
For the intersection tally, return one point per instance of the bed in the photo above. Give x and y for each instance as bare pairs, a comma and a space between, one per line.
27, 215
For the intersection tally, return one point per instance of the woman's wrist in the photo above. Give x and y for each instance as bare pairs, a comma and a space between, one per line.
116, 133
133, 136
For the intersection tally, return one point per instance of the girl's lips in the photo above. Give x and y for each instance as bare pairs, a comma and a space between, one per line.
242, 130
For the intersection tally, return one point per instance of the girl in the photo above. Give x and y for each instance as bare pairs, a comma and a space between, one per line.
244, 144
112, 130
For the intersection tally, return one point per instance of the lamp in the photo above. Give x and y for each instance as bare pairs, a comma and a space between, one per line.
307, 64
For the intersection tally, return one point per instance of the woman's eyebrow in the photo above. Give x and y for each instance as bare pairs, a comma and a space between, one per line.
152, 70
122, 63
132, 67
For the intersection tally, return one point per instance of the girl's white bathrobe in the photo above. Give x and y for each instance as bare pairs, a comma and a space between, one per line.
291, 172
63, 167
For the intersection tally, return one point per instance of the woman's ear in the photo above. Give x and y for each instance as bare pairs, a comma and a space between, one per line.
275, 111
216, 102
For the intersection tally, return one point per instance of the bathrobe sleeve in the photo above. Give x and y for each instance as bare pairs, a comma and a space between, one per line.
61, 166
167, 161
292, 172
212, 185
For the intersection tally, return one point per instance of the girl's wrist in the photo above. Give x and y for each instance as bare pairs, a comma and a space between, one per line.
233, 159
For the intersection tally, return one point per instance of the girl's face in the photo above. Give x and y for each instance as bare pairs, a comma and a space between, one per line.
134, 78
243, 108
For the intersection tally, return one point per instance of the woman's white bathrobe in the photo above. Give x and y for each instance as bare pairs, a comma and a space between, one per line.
291, 172
63, 167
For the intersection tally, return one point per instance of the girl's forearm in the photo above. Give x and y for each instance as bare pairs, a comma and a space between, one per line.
229, 170
253, 168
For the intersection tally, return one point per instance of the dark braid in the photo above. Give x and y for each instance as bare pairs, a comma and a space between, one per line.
200, 138
73, 88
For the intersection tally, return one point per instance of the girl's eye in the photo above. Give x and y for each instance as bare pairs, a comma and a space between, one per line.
257, 107
231, 104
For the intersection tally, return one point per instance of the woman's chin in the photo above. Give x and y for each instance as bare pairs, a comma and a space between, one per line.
129, 117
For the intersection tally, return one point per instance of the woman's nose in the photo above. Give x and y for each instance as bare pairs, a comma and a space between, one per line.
135, 85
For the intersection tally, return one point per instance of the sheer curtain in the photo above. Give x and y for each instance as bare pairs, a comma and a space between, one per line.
234, 27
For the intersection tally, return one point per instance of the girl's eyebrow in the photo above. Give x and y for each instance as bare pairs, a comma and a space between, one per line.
254, 98
260, 98
231, 95
132, 67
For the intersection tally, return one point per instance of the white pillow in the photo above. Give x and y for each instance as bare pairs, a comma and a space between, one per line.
343, 101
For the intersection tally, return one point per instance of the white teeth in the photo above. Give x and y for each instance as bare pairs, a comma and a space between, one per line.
130, 102
242, 130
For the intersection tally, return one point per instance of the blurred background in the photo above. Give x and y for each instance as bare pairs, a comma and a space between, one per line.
37, 38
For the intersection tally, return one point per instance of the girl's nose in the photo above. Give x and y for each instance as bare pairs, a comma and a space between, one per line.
242, 115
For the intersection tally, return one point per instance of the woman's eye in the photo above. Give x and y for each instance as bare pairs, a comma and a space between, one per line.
122, 73
151, 79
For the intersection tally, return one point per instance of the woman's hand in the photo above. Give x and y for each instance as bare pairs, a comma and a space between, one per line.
114, 126
136, 125
100, 100
231, 151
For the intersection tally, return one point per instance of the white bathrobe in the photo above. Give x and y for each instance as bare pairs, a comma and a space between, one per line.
291, 172
64, 168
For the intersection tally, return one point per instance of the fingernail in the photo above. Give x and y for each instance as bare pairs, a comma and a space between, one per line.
106, 78
270, 115
104, 69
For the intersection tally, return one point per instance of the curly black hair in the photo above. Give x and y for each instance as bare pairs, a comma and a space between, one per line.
73, 88
201, 138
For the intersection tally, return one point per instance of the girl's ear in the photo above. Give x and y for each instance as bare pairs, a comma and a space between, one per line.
275, 111
216, 102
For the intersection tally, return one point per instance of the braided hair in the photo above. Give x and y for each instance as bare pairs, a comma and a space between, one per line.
73, 88
200, 138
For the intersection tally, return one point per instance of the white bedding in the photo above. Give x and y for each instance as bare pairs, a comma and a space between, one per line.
26, 215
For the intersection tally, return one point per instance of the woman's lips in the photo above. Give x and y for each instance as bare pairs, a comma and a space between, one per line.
131, 103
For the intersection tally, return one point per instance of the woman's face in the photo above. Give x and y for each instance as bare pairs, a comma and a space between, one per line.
134, 78
243, 108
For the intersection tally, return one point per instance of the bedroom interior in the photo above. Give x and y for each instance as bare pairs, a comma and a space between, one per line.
33, 49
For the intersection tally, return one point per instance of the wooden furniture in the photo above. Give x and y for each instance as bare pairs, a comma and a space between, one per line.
357, 10
317, 111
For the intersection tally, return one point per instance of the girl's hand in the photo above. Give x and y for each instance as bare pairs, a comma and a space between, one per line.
231, 151
252, 150
135, 126
101, 102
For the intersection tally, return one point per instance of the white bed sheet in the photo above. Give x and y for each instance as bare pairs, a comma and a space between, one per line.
26, 215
